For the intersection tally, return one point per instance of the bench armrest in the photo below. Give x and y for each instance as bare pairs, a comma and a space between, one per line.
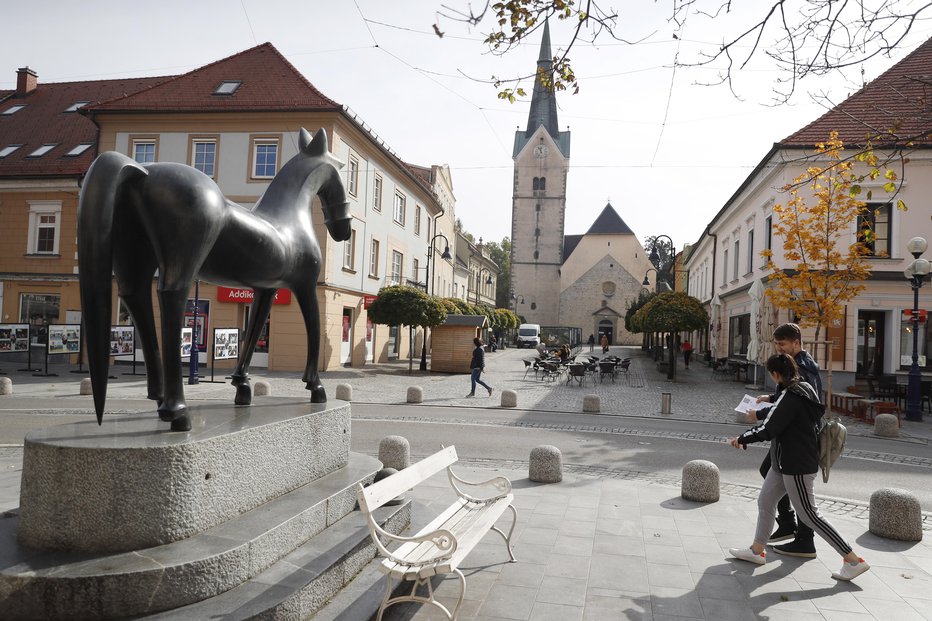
497, 484
442, 539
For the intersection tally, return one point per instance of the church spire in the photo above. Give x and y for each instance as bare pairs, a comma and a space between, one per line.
543, 102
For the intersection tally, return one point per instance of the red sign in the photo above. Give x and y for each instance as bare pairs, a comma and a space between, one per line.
367, 300
245, 296
908, 313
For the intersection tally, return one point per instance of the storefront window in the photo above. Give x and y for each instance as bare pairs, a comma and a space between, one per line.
40, 310
739, 334
906, 342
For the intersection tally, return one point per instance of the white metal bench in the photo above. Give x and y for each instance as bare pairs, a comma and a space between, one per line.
441, 546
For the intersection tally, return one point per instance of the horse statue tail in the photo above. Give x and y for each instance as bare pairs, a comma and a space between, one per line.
100, 193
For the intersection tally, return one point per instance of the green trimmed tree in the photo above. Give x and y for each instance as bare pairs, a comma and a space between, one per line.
670, 312
408, 306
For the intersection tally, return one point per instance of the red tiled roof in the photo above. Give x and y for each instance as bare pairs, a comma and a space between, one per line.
891, 109
269, 82
421, 174
44, 121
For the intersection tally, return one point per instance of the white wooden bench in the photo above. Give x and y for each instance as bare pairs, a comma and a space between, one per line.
440, 547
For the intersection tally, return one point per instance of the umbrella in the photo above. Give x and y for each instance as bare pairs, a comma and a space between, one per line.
716, 311
754, 346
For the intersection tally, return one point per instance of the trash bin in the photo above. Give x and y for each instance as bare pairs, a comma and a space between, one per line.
666, 400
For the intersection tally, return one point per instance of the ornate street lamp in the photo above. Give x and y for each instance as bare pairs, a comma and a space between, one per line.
195, 355
488, 280
654, 258
915, 274
430, 283
646, 282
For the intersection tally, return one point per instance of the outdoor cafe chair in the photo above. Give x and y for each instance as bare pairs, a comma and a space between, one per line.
606, 368
576, 372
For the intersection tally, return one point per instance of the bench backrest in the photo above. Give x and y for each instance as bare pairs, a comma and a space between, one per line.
374, 496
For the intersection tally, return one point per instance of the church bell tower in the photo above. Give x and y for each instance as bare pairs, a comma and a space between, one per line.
542, 157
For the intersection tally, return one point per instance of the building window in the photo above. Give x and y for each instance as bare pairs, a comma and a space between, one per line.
8, 149
227, 87
39, 310
352, 175
737, 259
739, 334
768, 236
374, 259
79, 149
750, 251
417, 219
397, 262
44, 222
539, 184
399, 211
349, 252
906, 343
725, 268
377, 193
43, 149
13, 109
415, 267
204, 155
874, 229
76, 106
264, 158
144, 149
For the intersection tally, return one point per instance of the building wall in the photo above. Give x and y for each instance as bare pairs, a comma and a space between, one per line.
601, 293
537, 227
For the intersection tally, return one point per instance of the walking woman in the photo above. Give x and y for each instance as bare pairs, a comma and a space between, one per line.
476, 367
790, 427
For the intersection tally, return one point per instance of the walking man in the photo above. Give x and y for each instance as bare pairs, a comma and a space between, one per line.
476, 367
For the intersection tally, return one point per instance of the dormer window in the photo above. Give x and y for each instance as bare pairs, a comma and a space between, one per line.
79, 149
76, 105
13, 109
43, 150
227, 87
8, 149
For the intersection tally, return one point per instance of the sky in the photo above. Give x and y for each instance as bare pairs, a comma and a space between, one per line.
662, 145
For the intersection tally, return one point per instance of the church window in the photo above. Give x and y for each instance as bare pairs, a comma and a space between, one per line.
543, 183
608, 288
533, 305
537, 232
537, 206
536, 254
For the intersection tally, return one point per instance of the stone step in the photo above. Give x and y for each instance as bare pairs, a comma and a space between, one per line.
59, 585
303, 582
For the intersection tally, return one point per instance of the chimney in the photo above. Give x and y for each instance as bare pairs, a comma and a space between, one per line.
26, 81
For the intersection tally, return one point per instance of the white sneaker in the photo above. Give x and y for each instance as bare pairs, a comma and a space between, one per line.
850, 572
747, 554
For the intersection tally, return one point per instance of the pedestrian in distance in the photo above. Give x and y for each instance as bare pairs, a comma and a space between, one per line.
476, 367
591, 342
687, 348
787, 339
493, 342
604, 343
791, 428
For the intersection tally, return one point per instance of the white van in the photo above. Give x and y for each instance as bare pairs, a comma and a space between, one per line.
528, 335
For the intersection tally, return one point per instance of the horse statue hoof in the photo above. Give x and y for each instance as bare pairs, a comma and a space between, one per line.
318, 394
182, 423
243, 395
166, 415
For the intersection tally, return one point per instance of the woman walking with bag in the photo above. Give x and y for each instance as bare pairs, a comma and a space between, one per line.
791, 427
476, 367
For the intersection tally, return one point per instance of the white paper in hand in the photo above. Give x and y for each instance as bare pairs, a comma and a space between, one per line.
747, 403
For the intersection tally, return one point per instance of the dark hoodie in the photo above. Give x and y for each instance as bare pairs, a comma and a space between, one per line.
790, 426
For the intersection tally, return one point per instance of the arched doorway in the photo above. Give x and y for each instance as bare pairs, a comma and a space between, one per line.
607, 328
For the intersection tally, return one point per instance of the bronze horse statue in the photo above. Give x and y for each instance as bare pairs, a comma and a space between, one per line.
134, 219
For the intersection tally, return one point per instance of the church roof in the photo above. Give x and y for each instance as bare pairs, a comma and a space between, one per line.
893, 108
609, 223
569, 245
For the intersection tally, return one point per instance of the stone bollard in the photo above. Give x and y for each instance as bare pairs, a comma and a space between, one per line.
886, 426
546, 464
86, 388
6, 386
415, 394
344, 392
895, 514
262, 388
509, 399
395, 452
700, 481
591, 403
383, 474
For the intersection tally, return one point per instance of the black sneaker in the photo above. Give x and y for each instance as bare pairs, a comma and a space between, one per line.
783, 532
798, 547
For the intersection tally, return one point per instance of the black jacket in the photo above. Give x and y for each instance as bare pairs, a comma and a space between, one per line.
790, 426
478, 359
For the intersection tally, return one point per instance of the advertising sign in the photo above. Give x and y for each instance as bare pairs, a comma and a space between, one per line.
185, 342
64, 339
226, 344
245, 296
14, 337
203, 313
122, 340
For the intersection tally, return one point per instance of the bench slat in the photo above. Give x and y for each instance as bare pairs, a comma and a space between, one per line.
377, 494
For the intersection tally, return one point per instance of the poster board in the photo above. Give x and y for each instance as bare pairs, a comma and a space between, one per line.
226, 343
64, 338
14, 338
122, 340
203, 322
186, 342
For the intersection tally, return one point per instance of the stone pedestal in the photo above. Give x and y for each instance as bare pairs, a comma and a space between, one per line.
130, 519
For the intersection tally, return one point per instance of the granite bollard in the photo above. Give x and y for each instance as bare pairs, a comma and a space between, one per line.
700, 481
509, 399
6, 386
546, 464
415, 394
263, 388
886, 426
591, 403
395, 452
86, 388
344, 392
895, 514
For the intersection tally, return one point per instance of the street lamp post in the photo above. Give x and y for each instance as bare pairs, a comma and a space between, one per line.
654, 258
193, 362
915, 274
430, 283
479, 279
646, 282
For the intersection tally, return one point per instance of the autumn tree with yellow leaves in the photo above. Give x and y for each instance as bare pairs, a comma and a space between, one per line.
825, 263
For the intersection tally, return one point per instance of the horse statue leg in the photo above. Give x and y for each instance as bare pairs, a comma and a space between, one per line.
261, 307
173, 407
307, 300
